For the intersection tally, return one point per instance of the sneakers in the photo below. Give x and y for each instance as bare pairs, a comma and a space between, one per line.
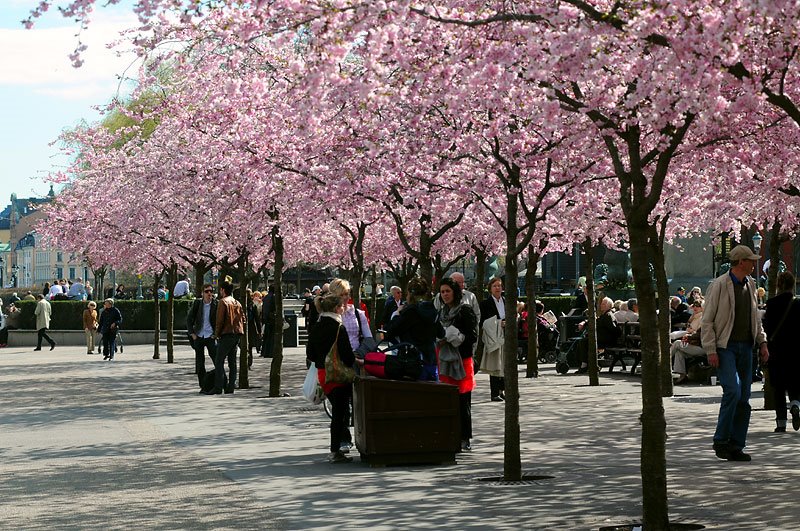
795, 417
338, 457
345, 447
497, 399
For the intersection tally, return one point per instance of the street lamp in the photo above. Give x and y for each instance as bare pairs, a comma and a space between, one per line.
2, 272
757, 248
139, 296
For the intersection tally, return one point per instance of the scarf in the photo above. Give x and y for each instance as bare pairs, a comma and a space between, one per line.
450, 363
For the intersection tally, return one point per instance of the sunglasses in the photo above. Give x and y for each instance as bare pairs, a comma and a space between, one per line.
208, 290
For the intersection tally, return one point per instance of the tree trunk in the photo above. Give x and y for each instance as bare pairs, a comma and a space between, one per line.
157, 315
653, 452
665, 361
172, 279
775, 241
373, 306
591, 319
532, 368
512, 465
244, 347
277, 349
480, 273
200, 270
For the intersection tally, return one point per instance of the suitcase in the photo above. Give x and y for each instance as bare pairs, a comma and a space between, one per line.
375, 364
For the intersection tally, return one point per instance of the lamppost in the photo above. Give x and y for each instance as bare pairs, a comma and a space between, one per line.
139, 296
2, 272
757, 248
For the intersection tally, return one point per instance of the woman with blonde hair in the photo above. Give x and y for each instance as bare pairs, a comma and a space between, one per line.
90, 325
328, 331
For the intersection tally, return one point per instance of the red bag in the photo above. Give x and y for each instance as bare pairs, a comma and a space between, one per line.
375, 364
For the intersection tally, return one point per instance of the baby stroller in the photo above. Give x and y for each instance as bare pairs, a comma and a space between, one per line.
548, 343
567, 354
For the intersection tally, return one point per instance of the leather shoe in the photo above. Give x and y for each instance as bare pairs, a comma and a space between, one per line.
582, 370
52, 346
497, 399
37, 348
795, 417
738, 455
780, 429
722, 450
682, 380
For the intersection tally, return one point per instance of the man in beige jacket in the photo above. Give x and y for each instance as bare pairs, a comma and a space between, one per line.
731, 327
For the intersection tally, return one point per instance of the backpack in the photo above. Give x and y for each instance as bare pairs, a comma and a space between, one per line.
406, 364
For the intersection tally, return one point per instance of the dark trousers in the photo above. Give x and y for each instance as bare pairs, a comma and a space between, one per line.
43, 335
226, 349
497, 384
340, 415
779, 394
465, 409
201, 344
109, 342
269, 339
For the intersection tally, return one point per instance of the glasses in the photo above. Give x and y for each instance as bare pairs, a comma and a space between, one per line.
208, 290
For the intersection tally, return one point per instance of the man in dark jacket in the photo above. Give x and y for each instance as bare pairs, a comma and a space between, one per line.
200, 324
108, 325
268, 317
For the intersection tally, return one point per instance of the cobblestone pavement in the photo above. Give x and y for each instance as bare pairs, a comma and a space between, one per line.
87, 444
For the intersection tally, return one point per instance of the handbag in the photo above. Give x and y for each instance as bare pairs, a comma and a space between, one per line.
365, 344
335, 370
311, 388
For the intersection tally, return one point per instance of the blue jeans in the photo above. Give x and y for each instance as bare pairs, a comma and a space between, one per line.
735, 373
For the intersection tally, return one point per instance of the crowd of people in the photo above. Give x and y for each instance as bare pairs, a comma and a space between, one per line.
455, 337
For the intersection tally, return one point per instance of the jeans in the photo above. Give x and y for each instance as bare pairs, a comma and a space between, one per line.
735, 373
43, 335
226, 348
340, 415
200, 346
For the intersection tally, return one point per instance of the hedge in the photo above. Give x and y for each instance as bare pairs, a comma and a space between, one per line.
136, 315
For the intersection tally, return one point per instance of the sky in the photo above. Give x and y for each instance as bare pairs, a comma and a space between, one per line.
41, 94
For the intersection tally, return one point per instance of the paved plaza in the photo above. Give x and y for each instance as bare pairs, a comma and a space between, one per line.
88, 444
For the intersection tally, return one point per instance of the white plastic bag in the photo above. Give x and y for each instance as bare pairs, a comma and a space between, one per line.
311, 388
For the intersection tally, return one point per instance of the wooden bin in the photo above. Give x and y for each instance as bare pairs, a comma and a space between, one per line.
400, 422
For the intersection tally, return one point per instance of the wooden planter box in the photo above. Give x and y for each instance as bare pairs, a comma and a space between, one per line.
399, 422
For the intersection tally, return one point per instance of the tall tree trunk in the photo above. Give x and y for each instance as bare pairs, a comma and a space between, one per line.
653, 452
591, 319
664, 325
200, 270
172, 279
480, 273
374, 302
426, 260
512, 464
157, 318
277, 349
775, 241
244, 342
532, 368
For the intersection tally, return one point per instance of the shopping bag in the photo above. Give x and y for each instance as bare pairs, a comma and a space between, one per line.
311, 388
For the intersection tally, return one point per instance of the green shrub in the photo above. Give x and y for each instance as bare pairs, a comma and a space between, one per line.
136, 315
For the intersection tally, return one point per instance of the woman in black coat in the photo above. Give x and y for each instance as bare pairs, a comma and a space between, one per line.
456, 366
416, 323
326, 332
781, 322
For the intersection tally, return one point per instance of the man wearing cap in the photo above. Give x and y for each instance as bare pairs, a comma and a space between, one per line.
731, 327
